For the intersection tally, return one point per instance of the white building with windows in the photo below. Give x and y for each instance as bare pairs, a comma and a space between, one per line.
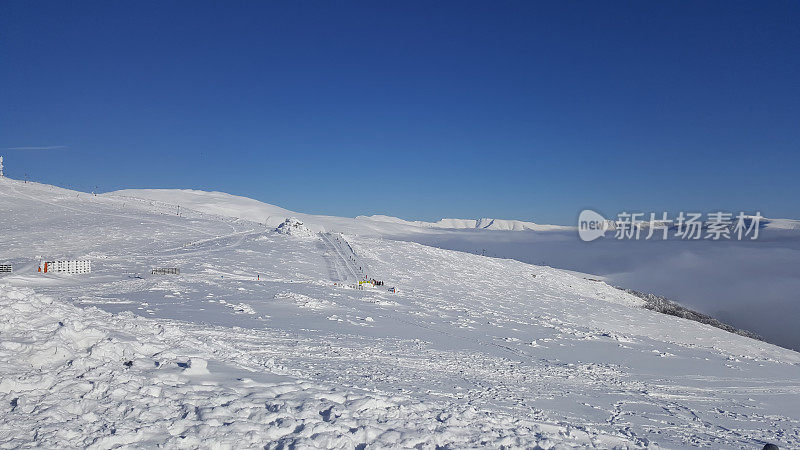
66, 266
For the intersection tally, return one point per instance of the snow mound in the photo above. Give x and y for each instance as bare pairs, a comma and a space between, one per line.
303, 301
294, 227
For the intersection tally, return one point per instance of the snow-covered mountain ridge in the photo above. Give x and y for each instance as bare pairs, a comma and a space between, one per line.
482, 224
246, 208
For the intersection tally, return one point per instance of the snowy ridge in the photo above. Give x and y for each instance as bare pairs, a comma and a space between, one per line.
211, 202
782, 224
235, 206
483, 224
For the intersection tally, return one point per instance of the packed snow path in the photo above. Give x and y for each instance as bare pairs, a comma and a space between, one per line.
348, 266
511, 353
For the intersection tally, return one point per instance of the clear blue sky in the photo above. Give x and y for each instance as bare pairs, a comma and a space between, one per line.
528, 110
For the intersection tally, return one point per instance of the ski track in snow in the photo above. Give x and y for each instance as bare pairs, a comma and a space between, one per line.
254, 345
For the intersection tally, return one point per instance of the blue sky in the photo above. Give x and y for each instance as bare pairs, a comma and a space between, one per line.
527, 110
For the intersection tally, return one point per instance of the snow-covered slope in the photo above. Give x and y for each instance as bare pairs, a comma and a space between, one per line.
261, 341
84, 378
210, 202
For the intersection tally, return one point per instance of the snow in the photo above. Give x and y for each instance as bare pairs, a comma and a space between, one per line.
75, 377
294, 227
228, 205
781, 224
261, 341
482, 224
